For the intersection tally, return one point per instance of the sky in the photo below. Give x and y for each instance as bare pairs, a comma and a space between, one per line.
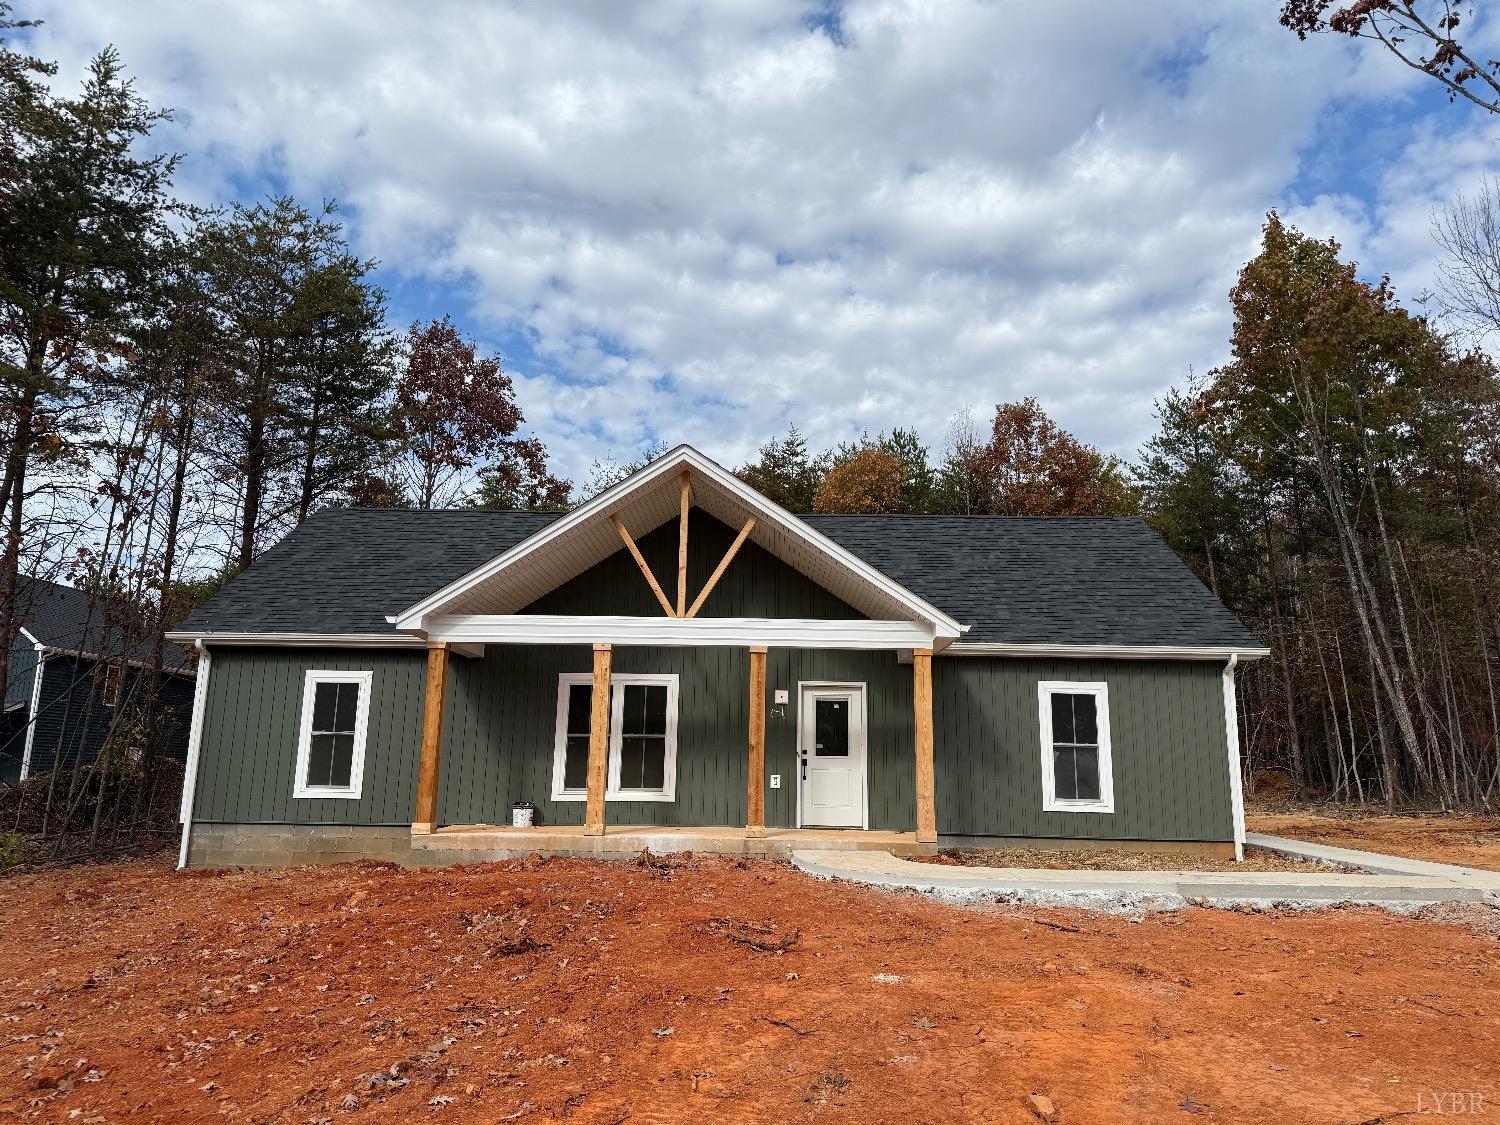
686, 222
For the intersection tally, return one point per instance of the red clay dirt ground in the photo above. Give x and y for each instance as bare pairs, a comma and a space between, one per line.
1469, 841
585, 991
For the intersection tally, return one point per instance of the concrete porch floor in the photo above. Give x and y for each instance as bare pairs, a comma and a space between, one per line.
484, 841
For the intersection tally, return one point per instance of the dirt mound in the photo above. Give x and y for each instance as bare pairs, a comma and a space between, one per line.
665, 991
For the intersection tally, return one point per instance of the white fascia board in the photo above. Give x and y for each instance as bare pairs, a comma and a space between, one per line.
301, 640
1105, 652
723, 632
683, 456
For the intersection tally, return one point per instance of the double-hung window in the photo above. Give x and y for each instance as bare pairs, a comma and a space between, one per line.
642, 738
331, 741
1077, 775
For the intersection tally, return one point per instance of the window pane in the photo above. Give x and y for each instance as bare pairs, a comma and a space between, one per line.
1062, 717
654, 763
1076, 773
325, 705
1085, 720
348, 702
319, 759
831, 728
632, 761
644, 710
1086, 770
643, 763
580, 702
576, 762
656, 710
342, 760
635, 708
1064, 780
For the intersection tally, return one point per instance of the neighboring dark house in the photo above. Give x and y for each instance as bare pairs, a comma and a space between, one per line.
679, 654
70, 670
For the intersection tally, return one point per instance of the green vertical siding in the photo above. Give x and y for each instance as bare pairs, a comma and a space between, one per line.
1166, 723
1170, 755
249, 748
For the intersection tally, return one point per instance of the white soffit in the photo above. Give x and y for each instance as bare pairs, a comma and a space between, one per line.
645, 501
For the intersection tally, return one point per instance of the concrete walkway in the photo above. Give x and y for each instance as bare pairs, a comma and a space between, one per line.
1149, 890
1377, 862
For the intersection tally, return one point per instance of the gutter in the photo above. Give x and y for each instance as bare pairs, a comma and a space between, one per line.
195, 745
300, 640
1106, 652
1232, 737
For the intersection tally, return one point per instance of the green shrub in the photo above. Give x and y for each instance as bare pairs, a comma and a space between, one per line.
12, 850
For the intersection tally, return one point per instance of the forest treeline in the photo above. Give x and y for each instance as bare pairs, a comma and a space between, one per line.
180, 387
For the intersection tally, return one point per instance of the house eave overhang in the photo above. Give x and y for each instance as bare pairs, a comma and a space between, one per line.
1107, 652
616, 499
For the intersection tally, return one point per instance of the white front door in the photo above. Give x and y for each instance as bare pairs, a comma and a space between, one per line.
831, 746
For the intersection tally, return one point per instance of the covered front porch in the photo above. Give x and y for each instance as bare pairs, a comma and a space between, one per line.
723, 763
844, 644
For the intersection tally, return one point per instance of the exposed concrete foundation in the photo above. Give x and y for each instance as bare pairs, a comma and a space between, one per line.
289, 845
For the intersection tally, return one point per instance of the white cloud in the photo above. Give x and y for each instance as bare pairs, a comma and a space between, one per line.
711, 221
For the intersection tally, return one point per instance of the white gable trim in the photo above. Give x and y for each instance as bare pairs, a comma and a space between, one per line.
414, 619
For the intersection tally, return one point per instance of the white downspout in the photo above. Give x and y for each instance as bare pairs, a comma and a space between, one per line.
1232, 736
36, 702
195, 742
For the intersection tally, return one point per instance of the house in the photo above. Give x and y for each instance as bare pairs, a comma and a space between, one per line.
679, 662
71, 667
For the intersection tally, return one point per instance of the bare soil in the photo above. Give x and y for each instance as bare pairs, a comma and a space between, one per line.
1465, 840
1256, 859
710, 989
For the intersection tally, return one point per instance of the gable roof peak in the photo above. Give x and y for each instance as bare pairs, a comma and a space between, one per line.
650, 497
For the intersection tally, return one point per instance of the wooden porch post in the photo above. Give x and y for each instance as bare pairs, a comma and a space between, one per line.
425, 817
593, 821
921, 667
755, 806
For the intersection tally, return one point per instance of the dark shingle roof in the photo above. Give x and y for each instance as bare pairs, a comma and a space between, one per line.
1014, 581
1074, 581
345, 570
64, 617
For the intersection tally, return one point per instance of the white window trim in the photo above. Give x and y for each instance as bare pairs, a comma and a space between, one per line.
1100, 691
350, 792
612, 791
112, 669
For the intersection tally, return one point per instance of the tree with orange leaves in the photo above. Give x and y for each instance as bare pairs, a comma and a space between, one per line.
868, 481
